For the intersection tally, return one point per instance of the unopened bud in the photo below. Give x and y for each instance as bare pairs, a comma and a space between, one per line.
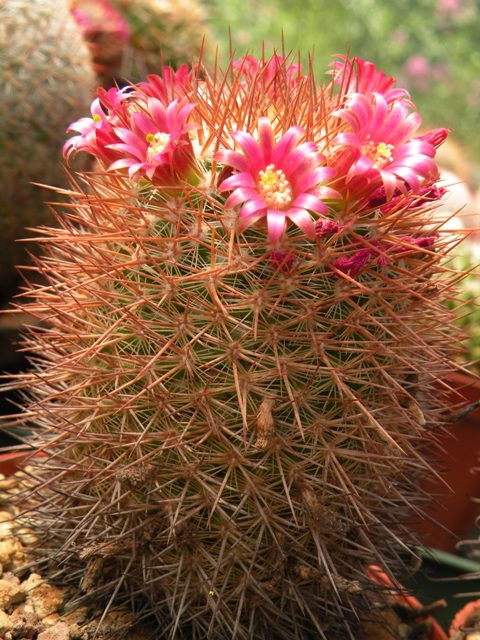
435, 137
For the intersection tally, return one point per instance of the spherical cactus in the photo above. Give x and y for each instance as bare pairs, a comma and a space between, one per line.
171, 31
236, 381
131, 38
106, 32
46, 78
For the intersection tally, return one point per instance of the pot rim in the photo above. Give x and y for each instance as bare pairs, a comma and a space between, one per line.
381, 578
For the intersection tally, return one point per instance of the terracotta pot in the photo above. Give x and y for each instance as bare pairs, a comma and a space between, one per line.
381, 578
467, 617
10, 462
455, 510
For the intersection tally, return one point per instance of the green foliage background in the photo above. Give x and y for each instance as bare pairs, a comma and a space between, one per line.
443, 36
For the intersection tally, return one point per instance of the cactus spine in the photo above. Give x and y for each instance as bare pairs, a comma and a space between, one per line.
235, 386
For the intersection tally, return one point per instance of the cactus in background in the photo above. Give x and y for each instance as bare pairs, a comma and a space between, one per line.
466, 303
236, 388
132, 38
106, 32
46, 78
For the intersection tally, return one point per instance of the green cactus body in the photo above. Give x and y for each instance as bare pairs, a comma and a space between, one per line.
233, 432
466, 304
46, 79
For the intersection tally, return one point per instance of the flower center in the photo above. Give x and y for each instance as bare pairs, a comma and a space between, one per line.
380, 154
275, 188
157, 143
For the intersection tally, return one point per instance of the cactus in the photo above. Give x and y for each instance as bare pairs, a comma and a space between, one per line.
236, 379
466, 303
131, 38
46, 79
106, 32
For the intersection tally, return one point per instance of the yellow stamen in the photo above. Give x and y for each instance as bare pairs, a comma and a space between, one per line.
158, 142
275, 188
380, 154
96, 117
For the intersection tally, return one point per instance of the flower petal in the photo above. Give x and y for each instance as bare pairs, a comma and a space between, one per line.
241, 195
303, 220
233, 159
389, 183
276, 223
312, 178
247, 221
251, 149
241, 180
252, 207
285, 145
310, 202
266, 139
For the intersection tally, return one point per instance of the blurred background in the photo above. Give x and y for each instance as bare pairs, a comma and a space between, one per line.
432, 47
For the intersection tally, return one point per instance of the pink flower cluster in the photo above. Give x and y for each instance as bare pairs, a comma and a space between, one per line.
97, 16
380, 253
358, 150
145, 132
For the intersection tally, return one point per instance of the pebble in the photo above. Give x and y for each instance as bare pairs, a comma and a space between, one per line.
44, 599
10, 593
25, 625
59, 631
78, 616
6, 623
6, 524
9, 549
53, 618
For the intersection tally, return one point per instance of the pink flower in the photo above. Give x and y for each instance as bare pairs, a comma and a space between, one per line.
282, 261
106, 32
378, 147
424, 242
97, 133
435, 136
360, 76
170, 86
129, 130
449, 8
417, 66
352, 265
278, 181
156, 144
325, 227
95, 17
420, 72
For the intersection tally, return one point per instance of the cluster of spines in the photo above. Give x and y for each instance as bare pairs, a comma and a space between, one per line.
233, 434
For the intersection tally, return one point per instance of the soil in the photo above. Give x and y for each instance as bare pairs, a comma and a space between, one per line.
31, 608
